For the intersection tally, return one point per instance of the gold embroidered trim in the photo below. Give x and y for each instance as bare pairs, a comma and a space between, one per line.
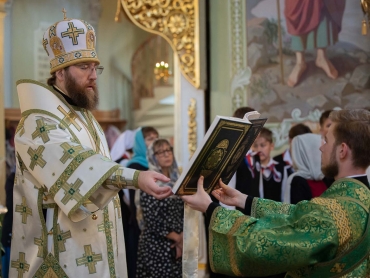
39, 111
44, 232
92, 190
210, 247
135, 180
254, 207
232, 245
55, 234
72, 58
341, 219
284, 208
50, 268
47, 206
108, 235
20, 126
69, 170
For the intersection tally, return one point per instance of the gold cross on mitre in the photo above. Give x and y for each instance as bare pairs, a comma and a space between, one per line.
64, 13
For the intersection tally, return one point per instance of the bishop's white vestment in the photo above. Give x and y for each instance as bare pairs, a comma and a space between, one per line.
67, 215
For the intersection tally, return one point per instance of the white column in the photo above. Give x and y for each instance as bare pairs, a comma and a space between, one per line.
2, 122
184, 92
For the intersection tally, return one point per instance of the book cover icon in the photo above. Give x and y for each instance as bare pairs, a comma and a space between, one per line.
219, 155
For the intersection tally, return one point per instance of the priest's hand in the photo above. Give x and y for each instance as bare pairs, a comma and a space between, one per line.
200, 200
146, 182
229, 196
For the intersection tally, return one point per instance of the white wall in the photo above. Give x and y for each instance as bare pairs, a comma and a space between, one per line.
220, 59
117, 42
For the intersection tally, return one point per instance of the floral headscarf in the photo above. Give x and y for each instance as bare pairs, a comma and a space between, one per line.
154, 166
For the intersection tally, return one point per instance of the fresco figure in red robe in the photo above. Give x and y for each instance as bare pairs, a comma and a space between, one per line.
313, 24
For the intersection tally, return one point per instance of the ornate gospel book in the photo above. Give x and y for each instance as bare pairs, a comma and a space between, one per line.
222, 150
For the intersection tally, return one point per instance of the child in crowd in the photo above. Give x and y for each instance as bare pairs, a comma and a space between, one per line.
325, 122
268, 172
286, 158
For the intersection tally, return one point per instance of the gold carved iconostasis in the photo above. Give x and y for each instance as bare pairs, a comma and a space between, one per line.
306, 57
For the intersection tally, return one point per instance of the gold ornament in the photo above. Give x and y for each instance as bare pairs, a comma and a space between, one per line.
94, 217
364, 27
365, 5
192, 126
176, 21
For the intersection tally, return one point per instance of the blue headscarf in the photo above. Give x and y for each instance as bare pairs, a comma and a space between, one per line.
139, 150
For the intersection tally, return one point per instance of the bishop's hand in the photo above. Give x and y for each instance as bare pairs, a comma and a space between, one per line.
200, 200
229, 196
146, 182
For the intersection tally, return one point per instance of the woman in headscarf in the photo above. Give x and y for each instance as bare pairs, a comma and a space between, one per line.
307, 180
160, 243
143, 138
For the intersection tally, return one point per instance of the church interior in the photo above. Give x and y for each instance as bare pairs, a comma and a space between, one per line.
174, 65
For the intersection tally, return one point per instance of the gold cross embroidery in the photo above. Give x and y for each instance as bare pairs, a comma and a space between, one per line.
117, 180
36, 157
22, 167
24, 210
105, 225
117, 205
72, 191
337, 268
70, 152
21, 264
69, 118
42, 130
89, 259
72, 32
61, 238
64, 13
40, 243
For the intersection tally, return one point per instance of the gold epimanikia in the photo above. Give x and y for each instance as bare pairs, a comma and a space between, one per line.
177, 22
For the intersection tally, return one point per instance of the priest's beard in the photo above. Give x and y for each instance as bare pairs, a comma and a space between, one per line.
80, 95
331, 170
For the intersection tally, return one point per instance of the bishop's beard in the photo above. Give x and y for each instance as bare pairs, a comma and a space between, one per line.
80, 95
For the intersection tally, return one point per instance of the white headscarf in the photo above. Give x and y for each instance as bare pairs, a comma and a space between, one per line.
306, 158
123, 143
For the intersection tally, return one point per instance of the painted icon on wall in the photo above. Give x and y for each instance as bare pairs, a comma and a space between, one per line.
306, 54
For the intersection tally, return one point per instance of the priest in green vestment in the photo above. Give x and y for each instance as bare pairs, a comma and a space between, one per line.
328, 236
